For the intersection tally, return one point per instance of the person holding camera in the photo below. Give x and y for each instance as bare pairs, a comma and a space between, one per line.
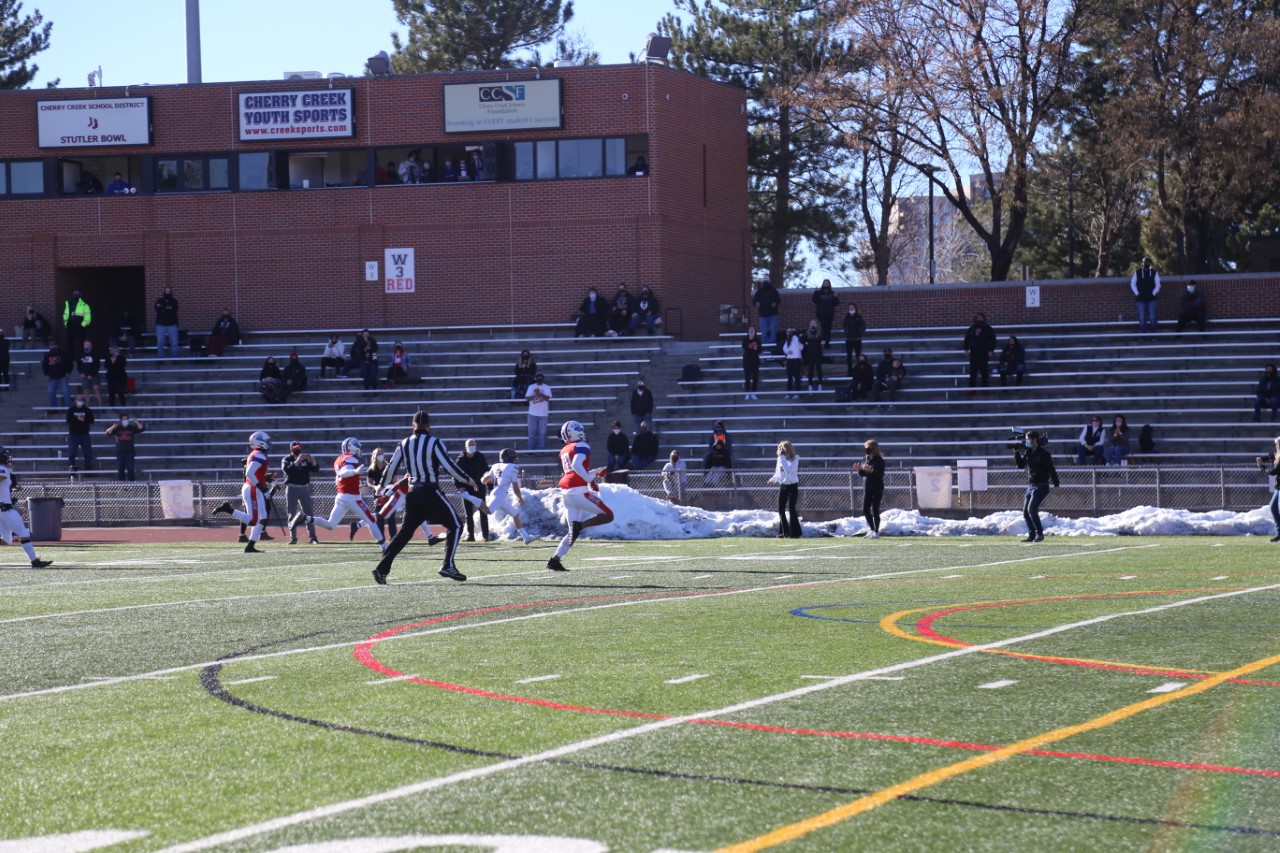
298, 468
1038, 462
871, 470
1270, 465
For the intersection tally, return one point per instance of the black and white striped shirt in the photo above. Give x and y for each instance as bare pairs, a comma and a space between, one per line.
422, 455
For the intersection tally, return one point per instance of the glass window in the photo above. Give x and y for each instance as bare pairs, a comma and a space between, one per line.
546, 160
166, 175
257, 171
98, 175
4, 179
581, 158
638, 156
524, 161
615, 156
219, 173
26, 177
193, 174
315, 169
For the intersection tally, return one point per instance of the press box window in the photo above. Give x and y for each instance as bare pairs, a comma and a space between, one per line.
314, 169
94, 175
257, 171
192, 174
24, 177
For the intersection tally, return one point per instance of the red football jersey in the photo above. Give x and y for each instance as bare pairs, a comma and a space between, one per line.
571, 451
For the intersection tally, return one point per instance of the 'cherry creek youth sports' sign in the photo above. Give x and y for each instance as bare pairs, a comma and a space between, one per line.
513, 105
317, 114
94, 122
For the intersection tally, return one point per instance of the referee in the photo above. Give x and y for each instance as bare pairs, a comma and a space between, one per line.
423, 455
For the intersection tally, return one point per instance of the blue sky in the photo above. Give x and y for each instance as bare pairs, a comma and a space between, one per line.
144, 41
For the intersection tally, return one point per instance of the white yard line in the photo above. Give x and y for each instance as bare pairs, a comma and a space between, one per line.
1168, 687
538, 678
498, 767
250, 680
392, 679
685, 679
1219, 578
996, 685
700, 577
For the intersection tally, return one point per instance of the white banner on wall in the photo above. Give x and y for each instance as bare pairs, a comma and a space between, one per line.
522, 105
318, 114
399, 265
94, 123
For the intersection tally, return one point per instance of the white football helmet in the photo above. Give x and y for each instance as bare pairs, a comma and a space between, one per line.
572, 431
259, 440
352, 446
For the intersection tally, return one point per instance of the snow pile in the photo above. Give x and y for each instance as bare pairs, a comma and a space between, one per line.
638, 516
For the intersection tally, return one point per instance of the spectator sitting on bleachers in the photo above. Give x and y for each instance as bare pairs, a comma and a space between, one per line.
225, 333
270, 370
398, 369
1192, 308
294, 375
620, 310
645, 310
526, 369
718, 462
1118, 441
127, 333
721, 435
593, 319
1091, 443
334, 356
892, 381
864, 378
364, 358
35, 328
644, 450
1267, 392
1013, 360
619, 448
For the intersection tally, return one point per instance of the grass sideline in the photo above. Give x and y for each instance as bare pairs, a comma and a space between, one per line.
712, 694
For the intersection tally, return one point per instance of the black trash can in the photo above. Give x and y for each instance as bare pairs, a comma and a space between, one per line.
621, 478
46, 519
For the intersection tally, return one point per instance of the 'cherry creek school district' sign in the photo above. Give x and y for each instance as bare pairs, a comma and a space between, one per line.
312, 114
94, 122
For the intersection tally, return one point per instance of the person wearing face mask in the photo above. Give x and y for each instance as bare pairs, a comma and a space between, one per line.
1038, 463
618, 447
167, 324
593, 316
474, 464
526, 368
125, 431
1145, 285
979, 345
1192, 308
1118, 441
854, 328
398, 366
294, 375
271, 382
334, 357
1092, 443
79, 420
645, 311
225, 333
641, 404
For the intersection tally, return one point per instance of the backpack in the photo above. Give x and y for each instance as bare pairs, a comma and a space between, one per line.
690, 373
1146, 443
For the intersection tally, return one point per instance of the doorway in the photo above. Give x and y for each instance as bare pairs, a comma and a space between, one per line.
109, 292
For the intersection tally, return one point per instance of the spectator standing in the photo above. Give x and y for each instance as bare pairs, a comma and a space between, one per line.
1038, 463
813, 357
620, 310
35, 328
855, 326
294, 375
4, 358
538, 396
1193, 308
1092, 443
410, 171
1013, 361
334, 357
751, 363
618, 447
398, 367
825, 302
225, 333
645, 311
793, 353
167, 324
979, 345
641, 404
644, 449
1267, 392
593, 318
474, 464
786, 475
298, 467
355, 360
79, 422
526, 368
56, 366
675, 477
1145, 285
767, 302
871, 470
1270, 465
126, 431
1117, 441
88, 366
76, 318
128, 331
369, 360
864, 379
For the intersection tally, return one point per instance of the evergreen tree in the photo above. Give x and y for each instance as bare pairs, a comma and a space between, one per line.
465, 35
20, 40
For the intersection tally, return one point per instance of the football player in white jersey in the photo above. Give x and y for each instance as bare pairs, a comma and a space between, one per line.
504, 482
347, 469
11, 523
582, 505
257, 479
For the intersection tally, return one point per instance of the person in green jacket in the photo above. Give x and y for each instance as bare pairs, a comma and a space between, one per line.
76, 317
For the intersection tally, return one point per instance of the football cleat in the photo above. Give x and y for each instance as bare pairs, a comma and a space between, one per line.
224, 508
41, 564
434, 540
379, 578
555, 565
452, 574
249, 549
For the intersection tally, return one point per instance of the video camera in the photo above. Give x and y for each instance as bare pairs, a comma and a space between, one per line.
1016, 437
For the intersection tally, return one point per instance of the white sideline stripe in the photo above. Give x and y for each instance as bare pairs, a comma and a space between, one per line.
783, 577
885, 678
996, 685
685, 679
951, 577
71, 842
700, 577
1168, 687
538, 678
1037, 577
297, 818
391, 679
1128, 577
48, 691
621, 577
1219, 578
250, 680
820, 677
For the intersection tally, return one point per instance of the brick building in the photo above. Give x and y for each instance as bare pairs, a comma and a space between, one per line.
272, 198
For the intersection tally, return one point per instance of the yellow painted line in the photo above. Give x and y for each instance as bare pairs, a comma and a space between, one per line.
926, 780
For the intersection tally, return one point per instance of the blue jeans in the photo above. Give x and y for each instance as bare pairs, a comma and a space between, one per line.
1115, 453
1275, 510
1146, 316
1031, 508
57, 386
1259, 401
769, 331
82, 443
647, 319
537, 432
124, 465
616, 462
167, 334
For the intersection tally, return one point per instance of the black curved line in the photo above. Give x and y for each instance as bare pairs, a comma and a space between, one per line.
209, 679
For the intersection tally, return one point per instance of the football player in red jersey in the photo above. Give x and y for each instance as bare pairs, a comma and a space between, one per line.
348, 470
257, 479
582, 505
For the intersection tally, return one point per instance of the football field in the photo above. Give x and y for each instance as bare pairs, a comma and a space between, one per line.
910, 693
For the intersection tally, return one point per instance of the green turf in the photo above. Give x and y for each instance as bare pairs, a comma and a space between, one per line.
155, 735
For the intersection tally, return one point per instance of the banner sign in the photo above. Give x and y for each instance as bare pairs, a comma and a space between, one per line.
318, 114
523, 105
399, 264
95, 122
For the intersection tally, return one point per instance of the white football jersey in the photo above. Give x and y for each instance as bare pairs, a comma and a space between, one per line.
503, 474
6, 483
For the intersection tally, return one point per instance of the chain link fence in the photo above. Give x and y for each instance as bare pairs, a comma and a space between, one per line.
824, 494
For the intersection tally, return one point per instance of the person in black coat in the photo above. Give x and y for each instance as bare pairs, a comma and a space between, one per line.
641, 404
1192, 308
645, 310
619, 447
294, 375
1038, 463
854, 328
117, 376
825, 301
751, 363
474, 465
593, 316
871, 470
864, 378
1013, 360
767, 302
644, 450
1267, 392
812, 356
526, 369
979, 345
620, 310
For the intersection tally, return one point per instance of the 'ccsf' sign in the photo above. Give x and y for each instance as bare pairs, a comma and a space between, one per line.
488, 107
